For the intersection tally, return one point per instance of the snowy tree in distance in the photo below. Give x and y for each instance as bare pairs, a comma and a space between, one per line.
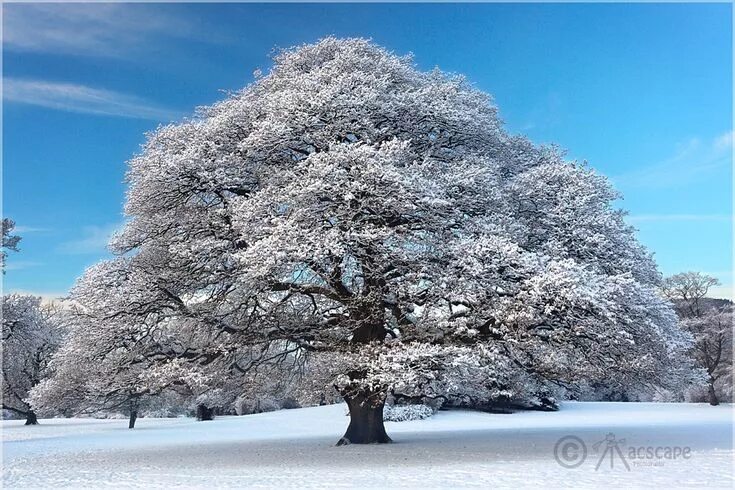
350, 207
98, 367
106, 363
31, 334
117, 360
9, 241
711, 323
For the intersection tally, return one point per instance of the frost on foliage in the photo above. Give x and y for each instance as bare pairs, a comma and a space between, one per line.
349, 207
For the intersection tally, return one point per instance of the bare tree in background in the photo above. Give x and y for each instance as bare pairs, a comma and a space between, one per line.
710, 322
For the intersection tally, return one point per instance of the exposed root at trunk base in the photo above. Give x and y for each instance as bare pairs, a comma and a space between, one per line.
346, 442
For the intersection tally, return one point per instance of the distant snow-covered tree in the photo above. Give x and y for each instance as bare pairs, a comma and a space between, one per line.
31, 333
115, 360
99, 366
352, 207
711, 324
9, 241
713, 334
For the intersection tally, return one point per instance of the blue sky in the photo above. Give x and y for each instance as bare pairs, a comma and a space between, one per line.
643, 92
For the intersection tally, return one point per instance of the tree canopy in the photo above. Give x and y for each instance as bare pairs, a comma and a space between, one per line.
350, 208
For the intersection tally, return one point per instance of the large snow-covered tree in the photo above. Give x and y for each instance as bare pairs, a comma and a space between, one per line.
31, 334
351, 206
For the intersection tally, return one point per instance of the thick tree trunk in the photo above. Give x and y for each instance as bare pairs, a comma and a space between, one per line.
205, 413
133, 405
366, 420
31, 418
367, 312
713, 400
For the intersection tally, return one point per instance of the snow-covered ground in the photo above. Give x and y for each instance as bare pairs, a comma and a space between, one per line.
296, 448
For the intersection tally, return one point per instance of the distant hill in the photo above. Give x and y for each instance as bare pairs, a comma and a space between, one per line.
705, 304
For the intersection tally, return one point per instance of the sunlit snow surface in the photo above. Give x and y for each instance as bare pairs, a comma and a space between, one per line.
295, 448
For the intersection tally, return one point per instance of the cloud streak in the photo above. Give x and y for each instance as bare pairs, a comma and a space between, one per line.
93, 29
642, 218
83, 99
94, 240
21, 265
692, 159
29, 229
724, 141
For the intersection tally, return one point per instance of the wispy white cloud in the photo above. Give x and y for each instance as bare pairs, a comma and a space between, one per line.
29, 229
692, 159
547, 113
80, 98
639, 218
98, 29
724, 141
17, 265
94, 240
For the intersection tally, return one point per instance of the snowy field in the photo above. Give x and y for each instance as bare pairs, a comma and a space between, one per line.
293, 448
